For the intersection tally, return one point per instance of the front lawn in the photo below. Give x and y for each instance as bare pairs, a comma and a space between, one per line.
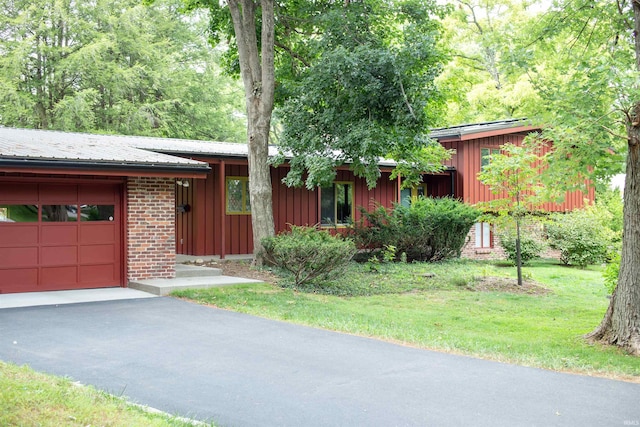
456, 306
29, 398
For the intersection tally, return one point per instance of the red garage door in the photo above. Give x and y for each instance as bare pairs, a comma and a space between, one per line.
56, 236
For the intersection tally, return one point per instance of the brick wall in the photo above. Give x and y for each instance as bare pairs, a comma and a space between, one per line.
151, 228
470, 251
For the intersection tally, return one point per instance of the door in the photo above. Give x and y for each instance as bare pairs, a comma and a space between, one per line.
60, 236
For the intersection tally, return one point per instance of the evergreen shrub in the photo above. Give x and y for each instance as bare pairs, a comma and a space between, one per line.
429, 229
307, 254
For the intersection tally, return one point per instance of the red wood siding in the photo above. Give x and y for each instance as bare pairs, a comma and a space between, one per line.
470, 190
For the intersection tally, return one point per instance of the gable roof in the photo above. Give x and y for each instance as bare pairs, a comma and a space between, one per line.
483, 130
42, 149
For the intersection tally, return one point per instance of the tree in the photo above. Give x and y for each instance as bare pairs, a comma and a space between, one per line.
108, 66
514, 175
306, 32
592, 52
250, 27
483, 80
365, 90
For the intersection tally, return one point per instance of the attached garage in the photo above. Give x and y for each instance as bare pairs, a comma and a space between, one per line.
58, 235
81, 211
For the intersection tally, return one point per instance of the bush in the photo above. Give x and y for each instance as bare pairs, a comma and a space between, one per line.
308, 254
428, 230
530, 246
582, 236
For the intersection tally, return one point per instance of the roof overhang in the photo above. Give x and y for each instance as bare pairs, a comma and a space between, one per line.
78, 167
484, 130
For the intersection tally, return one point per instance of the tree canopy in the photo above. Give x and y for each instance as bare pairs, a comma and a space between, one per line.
362, 88
115, 67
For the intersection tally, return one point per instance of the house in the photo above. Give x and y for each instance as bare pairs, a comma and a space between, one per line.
84, 211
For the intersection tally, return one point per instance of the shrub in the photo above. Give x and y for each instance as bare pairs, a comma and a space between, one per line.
530, 246
428, 230
308, 254
582, 236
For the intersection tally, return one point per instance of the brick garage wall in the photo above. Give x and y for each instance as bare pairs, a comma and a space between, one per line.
470, 251
150, 228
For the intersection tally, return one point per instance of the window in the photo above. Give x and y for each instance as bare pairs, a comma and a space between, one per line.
18, 213
409, 194
485, 155
336, 204
238, 202
97, 212
484, 238
59, 213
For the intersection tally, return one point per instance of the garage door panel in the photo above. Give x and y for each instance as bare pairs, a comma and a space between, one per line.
59, 255
18, 192
14, 278
92, 254
98, 233
18, 235
102, 275
54, 277
91, 194
18, 257
59, 234
59, 193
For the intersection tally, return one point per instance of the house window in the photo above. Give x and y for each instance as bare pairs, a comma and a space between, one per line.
238, 202
407, 195
336, 204
485, 155
484, 237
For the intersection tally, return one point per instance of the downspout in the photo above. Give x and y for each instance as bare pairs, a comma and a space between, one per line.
223, 210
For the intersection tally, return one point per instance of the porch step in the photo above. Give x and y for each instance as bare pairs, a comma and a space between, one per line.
166, 286
184, 270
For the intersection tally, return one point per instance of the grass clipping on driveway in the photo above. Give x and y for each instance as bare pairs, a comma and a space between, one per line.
29, 398
463, 307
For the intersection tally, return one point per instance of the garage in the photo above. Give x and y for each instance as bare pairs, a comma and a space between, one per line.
59, 235
82, 211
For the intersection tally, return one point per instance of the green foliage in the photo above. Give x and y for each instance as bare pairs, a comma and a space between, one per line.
308, 255
363, 90
113, 67
611, 273
530, 246
582, 236
428, 230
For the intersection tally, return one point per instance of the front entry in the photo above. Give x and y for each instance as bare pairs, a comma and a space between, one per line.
60, 236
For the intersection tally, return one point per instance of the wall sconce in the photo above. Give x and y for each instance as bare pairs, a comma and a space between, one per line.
182, 183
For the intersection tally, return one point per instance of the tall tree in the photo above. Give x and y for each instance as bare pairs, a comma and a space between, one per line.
111, 66
249, 26
590, 83
306, 32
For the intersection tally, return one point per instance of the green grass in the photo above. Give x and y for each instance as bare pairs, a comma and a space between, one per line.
445, 313
29, 398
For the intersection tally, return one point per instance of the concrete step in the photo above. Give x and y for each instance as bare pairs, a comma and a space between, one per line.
185, 270
166, 286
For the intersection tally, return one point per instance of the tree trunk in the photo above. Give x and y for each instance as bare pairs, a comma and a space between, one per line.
621, 323
258, 76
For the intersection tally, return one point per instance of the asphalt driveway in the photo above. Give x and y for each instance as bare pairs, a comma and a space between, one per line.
240, 370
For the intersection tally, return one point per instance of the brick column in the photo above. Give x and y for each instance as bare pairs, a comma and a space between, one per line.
151, 228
